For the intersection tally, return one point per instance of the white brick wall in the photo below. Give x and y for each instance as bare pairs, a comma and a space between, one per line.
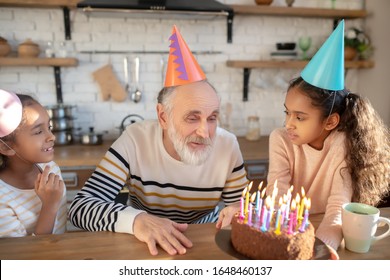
253, 38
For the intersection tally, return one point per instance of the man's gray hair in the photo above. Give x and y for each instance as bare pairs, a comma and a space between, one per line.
165, 96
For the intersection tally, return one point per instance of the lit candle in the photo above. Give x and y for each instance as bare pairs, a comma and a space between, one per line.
250, 210
306, 217
242, 213
297, 200
277, 222
291, 218
283, 216
247, 198
264, 214
288, 202
258, 213
272, 204
275, 191
301, 209
300, 214
259, 200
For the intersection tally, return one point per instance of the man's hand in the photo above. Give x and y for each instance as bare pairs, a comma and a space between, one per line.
169, 235
226, 215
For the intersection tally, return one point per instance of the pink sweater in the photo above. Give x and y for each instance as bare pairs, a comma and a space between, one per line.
320, 173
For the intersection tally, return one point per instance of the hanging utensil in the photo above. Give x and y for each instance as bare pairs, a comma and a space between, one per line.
162, 65
137, 95
126, 71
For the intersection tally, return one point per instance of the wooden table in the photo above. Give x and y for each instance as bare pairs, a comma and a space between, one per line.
120, 246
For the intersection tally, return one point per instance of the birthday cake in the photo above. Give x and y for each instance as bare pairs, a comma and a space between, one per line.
274, 235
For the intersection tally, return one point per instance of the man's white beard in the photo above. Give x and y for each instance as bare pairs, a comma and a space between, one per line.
187, 155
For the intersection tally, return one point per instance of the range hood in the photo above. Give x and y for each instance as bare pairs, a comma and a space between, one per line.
169, 9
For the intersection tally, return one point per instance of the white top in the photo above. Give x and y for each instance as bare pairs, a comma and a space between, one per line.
19, 209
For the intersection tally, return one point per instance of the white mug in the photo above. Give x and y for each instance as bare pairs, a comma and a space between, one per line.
359, 224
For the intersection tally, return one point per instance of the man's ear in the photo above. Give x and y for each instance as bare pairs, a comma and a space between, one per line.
162, 116
6, 150
332, 121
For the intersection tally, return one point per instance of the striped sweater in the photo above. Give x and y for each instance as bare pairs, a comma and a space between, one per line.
20, 208
157, 183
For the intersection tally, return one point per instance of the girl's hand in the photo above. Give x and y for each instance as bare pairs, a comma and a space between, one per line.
50, 189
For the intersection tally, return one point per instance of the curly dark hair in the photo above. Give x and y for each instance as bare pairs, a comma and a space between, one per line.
367, 139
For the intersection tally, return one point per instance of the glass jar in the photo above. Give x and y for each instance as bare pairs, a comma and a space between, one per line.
253, 128
49, 51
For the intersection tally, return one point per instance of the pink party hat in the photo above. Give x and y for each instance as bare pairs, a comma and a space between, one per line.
182, 66
10, 112
326, 69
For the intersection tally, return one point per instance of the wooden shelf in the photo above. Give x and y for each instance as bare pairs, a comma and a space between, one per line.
38, 61
250, 64
247, 65
40, 3
297, 12
56, 63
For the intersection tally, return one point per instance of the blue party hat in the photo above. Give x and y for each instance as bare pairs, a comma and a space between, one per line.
326, 69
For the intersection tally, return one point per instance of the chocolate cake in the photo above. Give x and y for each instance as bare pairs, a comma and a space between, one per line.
256, 244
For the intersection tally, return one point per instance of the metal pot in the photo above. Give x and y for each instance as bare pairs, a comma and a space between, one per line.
91, 138
61, 111
61, 124
63, 137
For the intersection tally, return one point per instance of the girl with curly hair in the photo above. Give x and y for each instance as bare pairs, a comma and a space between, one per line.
334, 145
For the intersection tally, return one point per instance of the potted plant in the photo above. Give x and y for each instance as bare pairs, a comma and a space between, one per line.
357, 44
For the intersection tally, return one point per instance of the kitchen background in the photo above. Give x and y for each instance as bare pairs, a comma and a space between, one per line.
254, 38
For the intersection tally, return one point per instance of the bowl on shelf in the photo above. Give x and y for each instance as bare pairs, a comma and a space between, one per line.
263, 2
287, 46
5, 47
28, 49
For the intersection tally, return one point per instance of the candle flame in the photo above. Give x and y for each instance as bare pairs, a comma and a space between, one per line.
297, 198
293, 205
280, 201
308, 204
285, 198
274, 191
244, 191
260, 185
268, 202
263, 192
303, 192
250, 186
253, 196
290, 190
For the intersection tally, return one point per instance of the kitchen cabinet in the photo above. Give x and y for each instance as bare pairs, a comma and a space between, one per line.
260, 10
